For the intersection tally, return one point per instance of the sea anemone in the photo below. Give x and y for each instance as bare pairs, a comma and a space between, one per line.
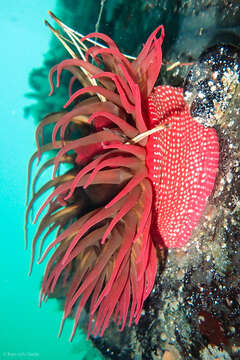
141, 172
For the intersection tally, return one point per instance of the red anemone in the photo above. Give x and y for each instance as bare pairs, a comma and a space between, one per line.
141, 174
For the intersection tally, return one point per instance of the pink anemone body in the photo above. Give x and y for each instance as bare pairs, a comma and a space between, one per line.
182, 163
125, 195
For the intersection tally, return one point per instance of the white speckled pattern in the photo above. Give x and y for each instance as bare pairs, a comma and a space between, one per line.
182, 162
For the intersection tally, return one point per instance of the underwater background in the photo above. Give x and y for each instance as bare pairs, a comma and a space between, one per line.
26, 331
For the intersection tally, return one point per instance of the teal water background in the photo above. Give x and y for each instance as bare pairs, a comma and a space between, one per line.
26, 331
